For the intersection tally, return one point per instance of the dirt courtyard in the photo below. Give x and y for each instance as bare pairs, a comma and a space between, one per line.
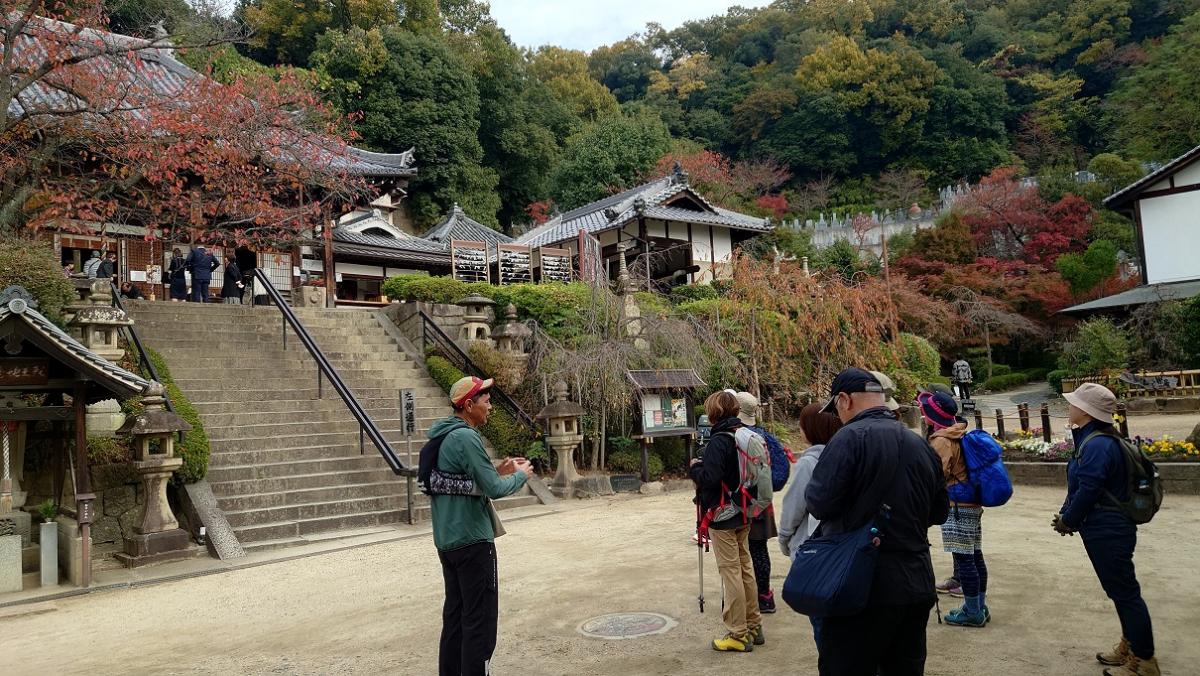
376, 609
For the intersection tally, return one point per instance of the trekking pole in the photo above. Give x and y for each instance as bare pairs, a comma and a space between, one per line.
700, 549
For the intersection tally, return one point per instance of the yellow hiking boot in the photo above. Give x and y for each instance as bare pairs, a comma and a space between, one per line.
733, 644
1136, 666
1117, 656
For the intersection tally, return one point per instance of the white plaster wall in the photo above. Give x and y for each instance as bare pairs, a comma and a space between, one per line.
1171, 232
1188, 176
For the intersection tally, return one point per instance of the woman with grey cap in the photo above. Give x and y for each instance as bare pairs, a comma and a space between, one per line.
1097, 481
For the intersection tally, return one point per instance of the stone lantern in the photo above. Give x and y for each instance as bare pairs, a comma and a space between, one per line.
154, 458
510, 336
562, 421
99, 324
476, 325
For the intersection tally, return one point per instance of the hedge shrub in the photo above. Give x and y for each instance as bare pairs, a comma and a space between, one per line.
672, 451
195, 447
1036, 374
508, 437
1099, 346
919, 357
1055, 378
630, 462
32, 265
999, 383
691, 292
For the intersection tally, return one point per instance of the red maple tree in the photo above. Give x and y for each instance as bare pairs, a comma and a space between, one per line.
98, 128
1011, 221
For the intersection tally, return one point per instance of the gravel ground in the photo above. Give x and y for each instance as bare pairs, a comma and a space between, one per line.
376, 609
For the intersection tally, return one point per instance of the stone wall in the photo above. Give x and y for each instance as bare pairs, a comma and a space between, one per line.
449, 319
1179, 478
120, 496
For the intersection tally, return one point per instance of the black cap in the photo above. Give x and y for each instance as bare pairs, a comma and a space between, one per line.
850, 381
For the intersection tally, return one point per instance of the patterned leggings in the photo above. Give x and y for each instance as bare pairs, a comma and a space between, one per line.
762, 565
970, 571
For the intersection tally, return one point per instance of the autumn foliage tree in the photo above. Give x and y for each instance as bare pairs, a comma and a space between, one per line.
1009, 220
98, 128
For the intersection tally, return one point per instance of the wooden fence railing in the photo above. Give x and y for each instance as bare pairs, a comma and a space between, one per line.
1024, 421
1144, 383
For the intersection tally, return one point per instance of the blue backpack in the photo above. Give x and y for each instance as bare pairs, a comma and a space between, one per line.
781, 463
987, 480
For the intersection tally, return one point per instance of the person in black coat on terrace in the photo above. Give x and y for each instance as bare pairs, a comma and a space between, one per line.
232, 284
176, 276
202, 264
888, 636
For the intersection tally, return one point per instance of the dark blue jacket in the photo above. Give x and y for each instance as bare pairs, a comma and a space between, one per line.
849, 465
201, 265
1098, 466
719, 466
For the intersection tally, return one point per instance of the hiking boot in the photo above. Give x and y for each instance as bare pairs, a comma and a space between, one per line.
959, 617
1119, 655
766, 603
949, 586
733, 644
757, 636
1136, 666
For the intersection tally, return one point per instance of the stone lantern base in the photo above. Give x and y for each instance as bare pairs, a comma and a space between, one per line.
168, 545
159, 537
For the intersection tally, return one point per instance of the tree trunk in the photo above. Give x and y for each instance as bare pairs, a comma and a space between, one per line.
987, 339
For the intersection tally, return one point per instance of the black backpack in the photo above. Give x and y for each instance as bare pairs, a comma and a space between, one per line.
1145, 484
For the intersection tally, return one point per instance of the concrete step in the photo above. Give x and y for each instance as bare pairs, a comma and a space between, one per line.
395, 487
314, 510
328, 479
315, 439
363, 394
222, 456
289, 529
252, 341
358, 463
224, 429
316, 415
263, 368
331, 402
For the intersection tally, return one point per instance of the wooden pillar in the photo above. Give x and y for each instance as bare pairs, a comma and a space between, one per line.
327, 260
1045, 422
83, 481
1123, 414
978, 419
645, 460
1023, 416
999, 424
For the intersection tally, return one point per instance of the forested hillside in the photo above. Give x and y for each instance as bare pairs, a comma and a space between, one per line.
806, 105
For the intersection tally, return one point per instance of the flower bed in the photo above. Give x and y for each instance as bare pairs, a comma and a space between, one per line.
1030, 447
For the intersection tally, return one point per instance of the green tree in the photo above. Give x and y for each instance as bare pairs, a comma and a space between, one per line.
565, 73
522, 125
286, 31
624, 67
1170, 79
414, 91
1099, 346
609, 155
949, 240
1084, 271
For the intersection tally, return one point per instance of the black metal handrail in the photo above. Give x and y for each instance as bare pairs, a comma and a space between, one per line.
366, 424
431, 333
131, 335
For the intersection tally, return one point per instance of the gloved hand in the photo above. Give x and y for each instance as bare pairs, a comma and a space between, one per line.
1060, 526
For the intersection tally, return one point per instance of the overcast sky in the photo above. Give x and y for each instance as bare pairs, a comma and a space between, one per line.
587, 24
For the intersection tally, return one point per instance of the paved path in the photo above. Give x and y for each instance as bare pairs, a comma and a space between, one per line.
376, 609
1033, 394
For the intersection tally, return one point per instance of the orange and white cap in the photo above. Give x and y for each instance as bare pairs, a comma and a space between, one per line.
468, 387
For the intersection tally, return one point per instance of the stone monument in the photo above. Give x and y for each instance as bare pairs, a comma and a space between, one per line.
562, 421
99, 324
477, 327
158, 537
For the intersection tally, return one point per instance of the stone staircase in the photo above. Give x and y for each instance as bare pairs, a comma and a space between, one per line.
286, 466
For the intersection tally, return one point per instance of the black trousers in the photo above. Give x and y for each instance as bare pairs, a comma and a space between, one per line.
471, 610
964, 390
200, 291
1112, 558
883, 640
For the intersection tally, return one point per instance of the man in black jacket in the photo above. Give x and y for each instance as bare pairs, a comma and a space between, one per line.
888, 636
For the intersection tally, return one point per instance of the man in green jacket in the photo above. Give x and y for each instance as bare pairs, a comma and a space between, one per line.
464, 534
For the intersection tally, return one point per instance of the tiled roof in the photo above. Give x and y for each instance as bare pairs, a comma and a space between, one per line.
16, 306
1131, 191
665, 379
458, 225
1139, 295
617, 210
389, 249
152, 72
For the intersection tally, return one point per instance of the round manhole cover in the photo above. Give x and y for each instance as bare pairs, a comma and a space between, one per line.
617, 626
